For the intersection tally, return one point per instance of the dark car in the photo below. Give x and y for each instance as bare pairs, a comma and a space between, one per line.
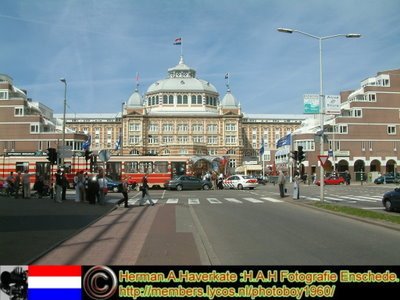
387, 178
185, 182
114, 185
391, 200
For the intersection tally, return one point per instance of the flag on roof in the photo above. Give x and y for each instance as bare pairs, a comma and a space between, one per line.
54, 282
86, 144
283, 141
178, 41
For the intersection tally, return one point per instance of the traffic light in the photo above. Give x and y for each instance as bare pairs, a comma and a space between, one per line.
52, 155
300, 154
294, 155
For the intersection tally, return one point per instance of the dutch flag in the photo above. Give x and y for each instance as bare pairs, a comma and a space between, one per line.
178, 41
54, 282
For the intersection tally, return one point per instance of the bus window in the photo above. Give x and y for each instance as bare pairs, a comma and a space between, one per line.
145, 167
178, 168
161, 167
22, 167
131, 167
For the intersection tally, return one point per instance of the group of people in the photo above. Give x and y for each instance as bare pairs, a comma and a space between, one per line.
16, 183
217, 181
88, 188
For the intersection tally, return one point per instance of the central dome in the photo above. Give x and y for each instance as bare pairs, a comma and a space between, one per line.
181, 91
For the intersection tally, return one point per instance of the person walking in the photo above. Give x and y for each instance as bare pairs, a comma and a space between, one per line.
39, 186
10, 184
124, 193
296, 186
145, 192
26, 184
59, 184
102, 187
281, 183
65, 185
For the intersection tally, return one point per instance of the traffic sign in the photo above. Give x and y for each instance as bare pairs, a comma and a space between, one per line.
323, 159
104, 155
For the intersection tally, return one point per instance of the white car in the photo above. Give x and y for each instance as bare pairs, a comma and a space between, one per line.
240, 182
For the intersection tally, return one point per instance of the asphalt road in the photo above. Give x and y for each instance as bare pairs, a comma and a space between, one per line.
227, 227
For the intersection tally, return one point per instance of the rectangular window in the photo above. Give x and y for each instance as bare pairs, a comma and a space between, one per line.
153, 139
197, 127
342, 129
35, 128
168, 139
212, 128
19, 111
183, 139
3, 95
213, 140
230, 140
357, 113
134, 127
131, 167
197, 139
183, 127
363, 146
391, 129
168, 127
232, 163
153, 127
145, 167
161, 167
230, 127
133, 140
370, 145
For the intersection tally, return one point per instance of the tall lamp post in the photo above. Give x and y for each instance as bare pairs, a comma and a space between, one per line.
63, 126
321, 95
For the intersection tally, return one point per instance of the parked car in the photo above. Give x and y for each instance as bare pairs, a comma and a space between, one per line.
391, 200
185, 182
114, 185
332, 180
240, 182
388, 178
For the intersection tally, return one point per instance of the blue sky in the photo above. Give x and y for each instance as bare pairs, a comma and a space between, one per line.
100, 45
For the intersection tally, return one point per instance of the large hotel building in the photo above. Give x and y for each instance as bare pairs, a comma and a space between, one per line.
184, 116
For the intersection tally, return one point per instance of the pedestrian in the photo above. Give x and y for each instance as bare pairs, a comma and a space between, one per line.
10, 184
347, 177
93, 190
59, 184
76, 186
102, 191
124, 193
17, 184
220, 183
145, 191
214, 180
281, 183
64, 186
296, 186
26, 184
39, 186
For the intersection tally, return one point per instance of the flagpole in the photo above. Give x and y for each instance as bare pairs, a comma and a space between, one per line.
181, 47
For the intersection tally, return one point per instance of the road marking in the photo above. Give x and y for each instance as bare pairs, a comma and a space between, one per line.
373, 208
358, 198
271, 199
214, 201
172, 201
333, 199
313, 198
233, 200
193, 201
252, 200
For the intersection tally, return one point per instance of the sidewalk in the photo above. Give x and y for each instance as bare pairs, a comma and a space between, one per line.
29, 227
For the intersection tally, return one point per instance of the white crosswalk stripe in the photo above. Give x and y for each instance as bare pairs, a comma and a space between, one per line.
271, 199
233, 200
172, 201
214, 201
252, 200
193, 201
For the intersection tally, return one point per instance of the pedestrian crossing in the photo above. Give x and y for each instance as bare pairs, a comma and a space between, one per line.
217, 201
348, 198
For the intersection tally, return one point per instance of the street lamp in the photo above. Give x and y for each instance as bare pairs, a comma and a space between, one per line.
63, 127
321, 95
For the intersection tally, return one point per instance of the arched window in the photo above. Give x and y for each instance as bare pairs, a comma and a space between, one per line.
170, 99
185, 99
179, 99
193, 99
199, 99
165, 99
